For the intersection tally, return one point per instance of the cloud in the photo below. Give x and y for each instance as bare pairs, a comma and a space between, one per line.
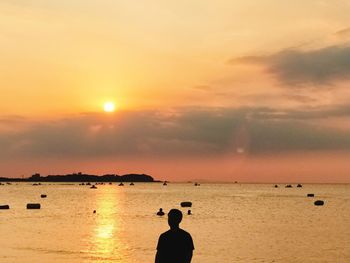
343, 33
203, 87
305, 68
176, 133
315, 113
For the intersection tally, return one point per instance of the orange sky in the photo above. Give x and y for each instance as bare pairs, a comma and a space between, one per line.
198, 80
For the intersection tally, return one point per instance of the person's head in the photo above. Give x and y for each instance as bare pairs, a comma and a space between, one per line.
174, 218
160, 209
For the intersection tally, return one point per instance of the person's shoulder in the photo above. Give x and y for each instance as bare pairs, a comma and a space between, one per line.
185, 233
166, 233
187, 238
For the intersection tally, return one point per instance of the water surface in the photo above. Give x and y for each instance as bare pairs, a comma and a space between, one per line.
230, 223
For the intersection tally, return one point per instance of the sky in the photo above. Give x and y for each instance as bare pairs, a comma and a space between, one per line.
249, 91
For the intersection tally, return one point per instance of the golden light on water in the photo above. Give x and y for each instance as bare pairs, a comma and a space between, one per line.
109, 106
108, 242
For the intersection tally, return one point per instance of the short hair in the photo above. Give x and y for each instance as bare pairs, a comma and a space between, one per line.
175, 215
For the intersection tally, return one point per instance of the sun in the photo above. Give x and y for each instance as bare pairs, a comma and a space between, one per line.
109, 107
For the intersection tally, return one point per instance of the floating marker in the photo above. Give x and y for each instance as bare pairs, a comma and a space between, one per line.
186, 204
33, 206
319, 203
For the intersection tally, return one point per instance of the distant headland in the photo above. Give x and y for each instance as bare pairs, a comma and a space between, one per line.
81, 177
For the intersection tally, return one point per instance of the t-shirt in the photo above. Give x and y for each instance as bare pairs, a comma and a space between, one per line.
174, 245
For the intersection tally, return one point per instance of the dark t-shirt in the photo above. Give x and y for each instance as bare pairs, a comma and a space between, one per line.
174, 245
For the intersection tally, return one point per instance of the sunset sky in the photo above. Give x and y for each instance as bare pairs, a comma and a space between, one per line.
225, 90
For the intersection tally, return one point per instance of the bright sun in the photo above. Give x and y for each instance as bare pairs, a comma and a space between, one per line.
109, 107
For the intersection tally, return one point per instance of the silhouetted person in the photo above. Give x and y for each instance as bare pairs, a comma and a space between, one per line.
160, 212
189, 212
174, 245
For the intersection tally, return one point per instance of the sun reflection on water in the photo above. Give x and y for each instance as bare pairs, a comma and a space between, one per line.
106, 241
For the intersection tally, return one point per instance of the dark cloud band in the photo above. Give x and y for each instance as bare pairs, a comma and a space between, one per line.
179, 132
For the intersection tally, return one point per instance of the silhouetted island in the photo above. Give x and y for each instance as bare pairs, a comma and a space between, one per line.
81, 177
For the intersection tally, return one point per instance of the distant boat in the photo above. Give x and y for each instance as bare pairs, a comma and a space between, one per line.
121, 184
299, 185
165, 183
288, 186
132, 184
93, 187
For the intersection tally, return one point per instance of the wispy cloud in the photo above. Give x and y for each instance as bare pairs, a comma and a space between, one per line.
345, 32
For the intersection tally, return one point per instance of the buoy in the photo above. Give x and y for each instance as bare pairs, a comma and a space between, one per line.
319, 203
33, 206
160, 212
43, 196
186, 204
3, 207
310, 195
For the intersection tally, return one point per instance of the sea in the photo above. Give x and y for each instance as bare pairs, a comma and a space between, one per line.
229, 222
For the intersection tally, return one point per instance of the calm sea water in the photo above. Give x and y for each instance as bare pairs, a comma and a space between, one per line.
230, 223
